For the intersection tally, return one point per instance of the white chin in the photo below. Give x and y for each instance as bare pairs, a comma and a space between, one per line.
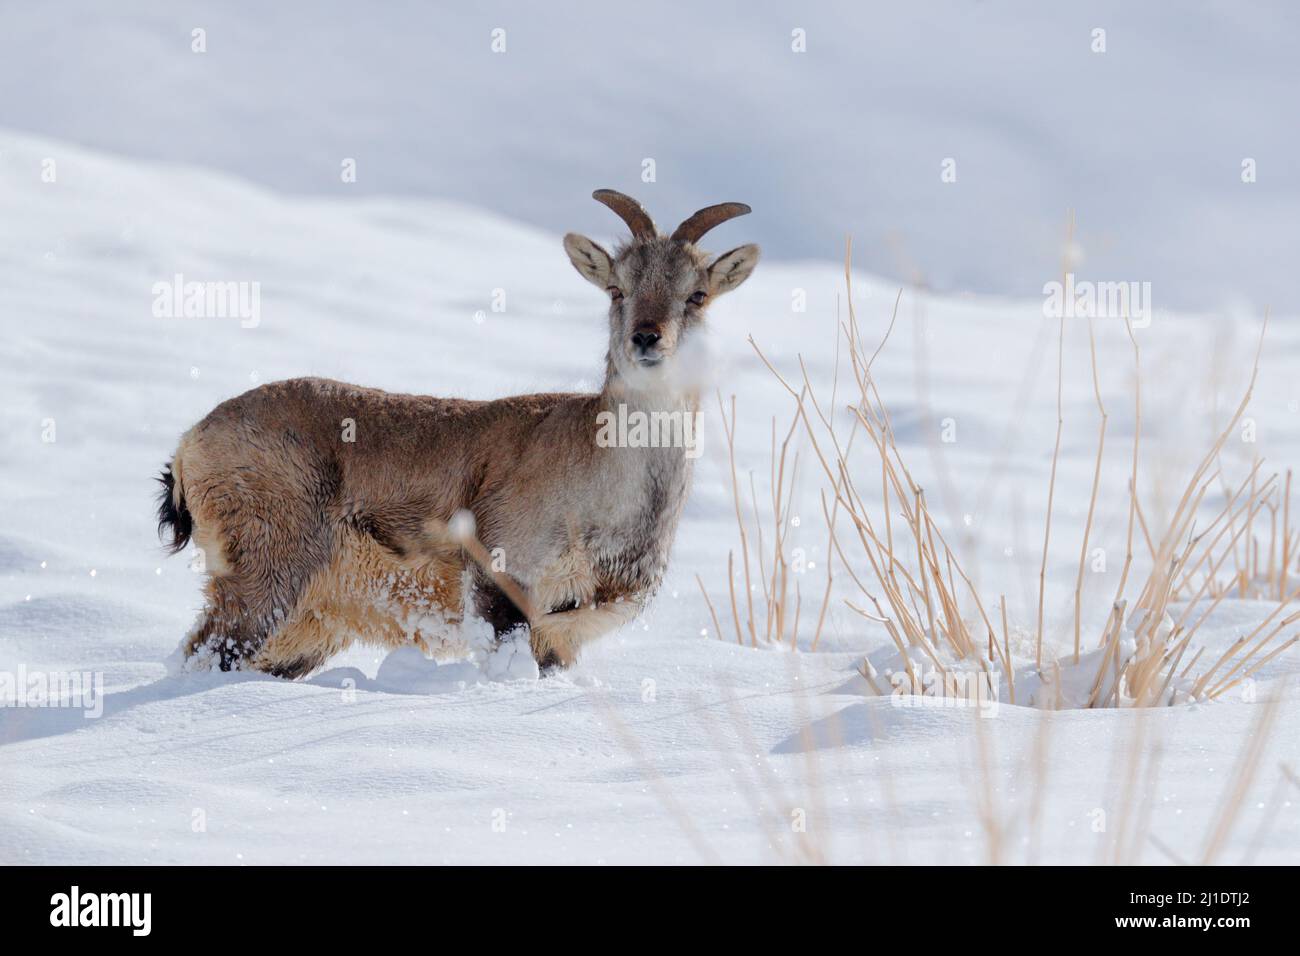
642, 375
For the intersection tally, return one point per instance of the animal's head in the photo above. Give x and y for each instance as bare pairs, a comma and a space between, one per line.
659, 286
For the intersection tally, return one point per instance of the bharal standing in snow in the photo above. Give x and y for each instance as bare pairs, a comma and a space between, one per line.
328, 512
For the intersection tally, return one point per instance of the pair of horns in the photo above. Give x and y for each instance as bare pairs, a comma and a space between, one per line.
643, 227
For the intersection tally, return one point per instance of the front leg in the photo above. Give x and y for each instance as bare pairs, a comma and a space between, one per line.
557, 637
494, 606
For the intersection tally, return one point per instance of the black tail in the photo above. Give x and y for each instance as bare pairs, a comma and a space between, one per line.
171, 515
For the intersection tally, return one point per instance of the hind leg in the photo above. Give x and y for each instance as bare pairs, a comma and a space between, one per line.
323, 624
225, 634
259, 500
257, 577
367, 594
300, 647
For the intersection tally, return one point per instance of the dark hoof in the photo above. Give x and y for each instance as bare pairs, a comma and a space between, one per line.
550, 665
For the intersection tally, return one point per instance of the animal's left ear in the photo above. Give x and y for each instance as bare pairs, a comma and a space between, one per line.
731, 269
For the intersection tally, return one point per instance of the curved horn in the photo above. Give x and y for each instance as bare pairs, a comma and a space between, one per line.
630, 211
708, 217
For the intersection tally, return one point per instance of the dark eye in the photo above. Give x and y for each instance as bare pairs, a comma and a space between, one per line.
615, 293
697, 298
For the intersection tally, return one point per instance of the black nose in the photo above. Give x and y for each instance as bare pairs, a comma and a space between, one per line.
644, 340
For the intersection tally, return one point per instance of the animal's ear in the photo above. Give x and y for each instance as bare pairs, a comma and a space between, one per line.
589, 259
732, 268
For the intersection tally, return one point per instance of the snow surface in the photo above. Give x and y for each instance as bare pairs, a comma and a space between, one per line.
662, 744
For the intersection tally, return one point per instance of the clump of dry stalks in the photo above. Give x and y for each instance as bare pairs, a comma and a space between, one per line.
1265, 565
914, 584
777, 619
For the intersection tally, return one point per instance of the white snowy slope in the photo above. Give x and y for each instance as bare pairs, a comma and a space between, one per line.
665, 743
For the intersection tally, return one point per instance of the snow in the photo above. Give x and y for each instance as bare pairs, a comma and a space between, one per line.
661, 745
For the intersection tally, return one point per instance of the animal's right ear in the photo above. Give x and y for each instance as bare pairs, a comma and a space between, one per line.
589, 259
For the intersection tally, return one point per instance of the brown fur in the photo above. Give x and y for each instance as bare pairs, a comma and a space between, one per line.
311, 541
